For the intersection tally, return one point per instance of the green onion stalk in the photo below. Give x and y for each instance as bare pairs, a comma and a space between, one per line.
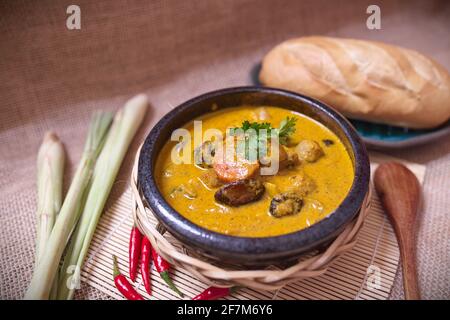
47, 268
125, 125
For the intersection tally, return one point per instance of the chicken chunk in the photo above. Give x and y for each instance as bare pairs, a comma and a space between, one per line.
291, 159
301, 184
267, 159
286, 158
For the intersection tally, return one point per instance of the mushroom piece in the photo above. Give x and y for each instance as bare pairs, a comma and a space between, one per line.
204, 155
285, 204
309, 150
240, 192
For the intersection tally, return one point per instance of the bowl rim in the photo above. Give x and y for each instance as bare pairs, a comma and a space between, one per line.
262, 247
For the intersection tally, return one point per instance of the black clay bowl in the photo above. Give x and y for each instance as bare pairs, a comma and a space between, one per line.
245, 250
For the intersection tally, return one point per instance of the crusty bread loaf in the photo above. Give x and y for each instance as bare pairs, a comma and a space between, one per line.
363, 79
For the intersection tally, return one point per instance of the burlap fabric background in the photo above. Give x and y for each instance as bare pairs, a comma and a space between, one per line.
53, 78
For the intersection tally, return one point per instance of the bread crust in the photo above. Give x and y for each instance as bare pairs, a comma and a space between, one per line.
364, 80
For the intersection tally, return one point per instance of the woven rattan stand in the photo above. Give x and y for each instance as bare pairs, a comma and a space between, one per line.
271, 278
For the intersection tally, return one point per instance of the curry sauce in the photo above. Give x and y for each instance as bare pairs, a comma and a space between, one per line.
330, 177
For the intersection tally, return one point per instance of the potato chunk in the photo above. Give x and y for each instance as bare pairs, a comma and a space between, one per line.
309, 150
210, 179
271, 188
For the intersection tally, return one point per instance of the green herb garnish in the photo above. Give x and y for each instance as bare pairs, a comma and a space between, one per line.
287, 127
255, 142
246, 125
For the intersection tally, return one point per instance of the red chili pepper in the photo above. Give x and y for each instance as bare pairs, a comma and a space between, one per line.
123, 285
146, 251
162, 266
134, 252
213, 293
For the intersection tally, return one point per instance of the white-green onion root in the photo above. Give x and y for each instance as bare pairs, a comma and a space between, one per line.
50, 169
48, 265
125, 125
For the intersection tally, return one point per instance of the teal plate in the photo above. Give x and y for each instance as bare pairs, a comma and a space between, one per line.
380, 136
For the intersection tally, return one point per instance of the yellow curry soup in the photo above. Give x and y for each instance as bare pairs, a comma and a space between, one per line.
325, 178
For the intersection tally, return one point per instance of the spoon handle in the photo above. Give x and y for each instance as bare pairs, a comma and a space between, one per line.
399, 192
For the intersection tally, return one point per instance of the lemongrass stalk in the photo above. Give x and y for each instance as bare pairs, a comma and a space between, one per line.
50, 169
47, 268
125, 125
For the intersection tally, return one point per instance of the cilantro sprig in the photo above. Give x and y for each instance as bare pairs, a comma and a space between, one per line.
286, 128
246, 125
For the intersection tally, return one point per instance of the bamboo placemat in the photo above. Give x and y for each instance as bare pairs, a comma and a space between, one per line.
375, 253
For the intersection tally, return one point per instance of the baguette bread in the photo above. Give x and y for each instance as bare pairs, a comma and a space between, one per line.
363, 79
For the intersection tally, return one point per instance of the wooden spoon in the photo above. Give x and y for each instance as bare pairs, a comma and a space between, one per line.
399, 192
